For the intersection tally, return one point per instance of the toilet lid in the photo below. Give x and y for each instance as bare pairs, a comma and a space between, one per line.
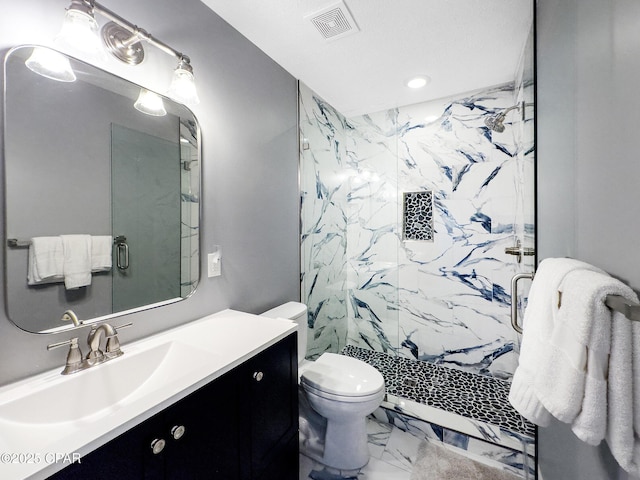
342, 375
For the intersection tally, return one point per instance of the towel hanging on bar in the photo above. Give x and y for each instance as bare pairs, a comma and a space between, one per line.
617, 303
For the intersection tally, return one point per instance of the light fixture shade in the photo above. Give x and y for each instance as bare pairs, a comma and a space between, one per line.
183, 87
50, 64
80, 32
150, 103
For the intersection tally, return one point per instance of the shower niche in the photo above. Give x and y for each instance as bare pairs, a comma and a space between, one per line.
417, 216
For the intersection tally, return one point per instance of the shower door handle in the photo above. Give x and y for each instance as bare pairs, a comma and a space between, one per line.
122, 252
514, 299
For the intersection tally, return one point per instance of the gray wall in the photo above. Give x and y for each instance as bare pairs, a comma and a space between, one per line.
588, 170
248, 117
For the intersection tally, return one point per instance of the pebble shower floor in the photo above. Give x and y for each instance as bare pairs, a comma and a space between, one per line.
467, 394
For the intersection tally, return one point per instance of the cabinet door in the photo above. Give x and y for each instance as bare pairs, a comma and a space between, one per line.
206, 424
207, 448
269, 390
126, 457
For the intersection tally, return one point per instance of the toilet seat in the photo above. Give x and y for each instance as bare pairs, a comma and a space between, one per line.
343, 378
344, 399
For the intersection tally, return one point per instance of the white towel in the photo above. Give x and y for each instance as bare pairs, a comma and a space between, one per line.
587, 372
101, 248
572, 381
77, 260
45, 260
539, 321
623, 391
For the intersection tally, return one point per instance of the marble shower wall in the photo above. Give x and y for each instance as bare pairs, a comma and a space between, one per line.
444, 301
323, 169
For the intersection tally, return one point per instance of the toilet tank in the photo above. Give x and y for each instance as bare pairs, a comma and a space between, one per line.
296, 312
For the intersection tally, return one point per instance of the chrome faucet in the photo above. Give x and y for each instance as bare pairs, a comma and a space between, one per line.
112, 349
76, 363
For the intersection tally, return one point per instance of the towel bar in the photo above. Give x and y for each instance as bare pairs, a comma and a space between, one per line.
620, 304
617, 303
15, 243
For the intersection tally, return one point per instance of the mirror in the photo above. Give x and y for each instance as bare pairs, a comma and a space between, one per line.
102, 200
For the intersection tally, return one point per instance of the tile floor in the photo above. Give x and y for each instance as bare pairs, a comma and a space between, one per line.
392, 453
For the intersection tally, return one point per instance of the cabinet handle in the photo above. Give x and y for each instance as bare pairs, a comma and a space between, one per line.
258, 376
157, 445
177, 432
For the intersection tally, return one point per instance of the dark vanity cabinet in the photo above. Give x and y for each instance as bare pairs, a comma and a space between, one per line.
243, 425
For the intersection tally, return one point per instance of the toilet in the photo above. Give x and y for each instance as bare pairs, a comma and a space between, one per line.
337, 393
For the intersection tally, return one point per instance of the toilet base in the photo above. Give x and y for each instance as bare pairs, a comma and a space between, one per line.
316, 451
312, 428
339, 445
346, 445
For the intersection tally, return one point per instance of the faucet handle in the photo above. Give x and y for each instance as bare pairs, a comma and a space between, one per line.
112, 349
74, 357
73, 342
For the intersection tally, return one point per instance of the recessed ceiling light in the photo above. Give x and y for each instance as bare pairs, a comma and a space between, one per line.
418, 81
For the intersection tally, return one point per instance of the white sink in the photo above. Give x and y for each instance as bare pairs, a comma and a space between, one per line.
76, 397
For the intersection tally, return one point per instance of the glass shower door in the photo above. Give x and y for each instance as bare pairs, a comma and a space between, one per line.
145, 218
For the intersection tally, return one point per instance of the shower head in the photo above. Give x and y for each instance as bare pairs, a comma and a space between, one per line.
495, 122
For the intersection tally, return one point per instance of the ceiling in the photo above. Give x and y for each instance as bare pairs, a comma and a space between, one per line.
462, 45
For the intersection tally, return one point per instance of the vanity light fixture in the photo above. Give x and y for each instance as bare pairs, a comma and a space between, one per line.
50, 64
150, 103
124, 41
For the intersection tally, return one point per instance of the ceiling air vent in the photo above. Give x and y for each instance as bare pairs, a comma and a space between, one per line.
333, 21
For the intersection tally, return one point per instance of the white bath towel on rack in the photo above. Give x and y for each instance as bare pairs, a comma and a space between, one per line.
572, 381
45, 260
610, 407
539, 320
77, 260
587, 374
623, 390
101, 249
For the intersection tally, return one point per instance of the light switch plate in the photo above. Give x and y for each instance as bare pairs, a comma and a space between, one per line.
214, 261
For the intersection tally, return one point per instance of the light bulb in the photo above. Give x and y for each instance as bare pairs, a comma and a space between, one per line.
50, 64
80, 32
183, 86
150, 103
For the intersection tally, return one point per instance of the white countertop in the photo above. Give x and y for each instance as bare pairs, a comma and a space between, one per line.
32, 446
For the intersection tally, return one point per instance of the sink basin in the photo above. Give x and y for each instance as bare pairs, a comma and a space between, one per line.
76, 397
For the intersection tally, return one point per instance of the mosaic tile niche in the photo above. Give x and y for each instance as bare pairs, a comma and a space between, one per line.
418, 216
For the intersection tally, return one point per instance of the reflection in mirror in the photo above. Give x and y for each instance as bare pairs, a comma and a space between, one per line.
102, 200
